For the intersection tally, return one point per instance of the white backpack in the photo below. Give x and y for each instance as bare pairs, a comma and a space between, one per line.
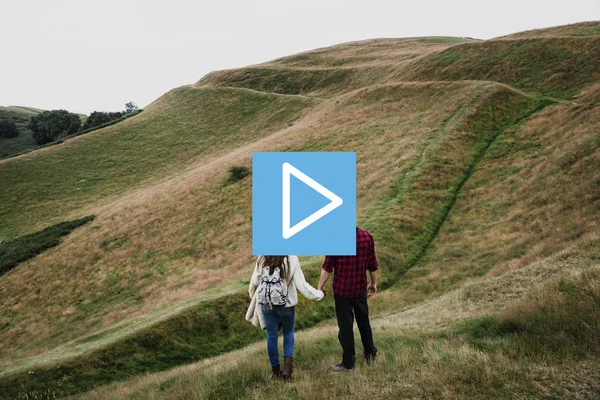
272, 290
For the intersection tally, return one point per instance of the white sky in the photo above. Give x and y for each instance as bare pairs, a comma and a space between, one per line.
91, 55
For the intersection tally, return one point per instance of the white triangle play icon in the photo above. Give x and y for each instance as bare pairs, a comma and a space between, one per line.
336, 201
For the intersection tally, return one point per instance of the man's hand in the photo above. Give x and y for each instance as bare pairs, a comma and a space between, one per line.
323, 280
372, 289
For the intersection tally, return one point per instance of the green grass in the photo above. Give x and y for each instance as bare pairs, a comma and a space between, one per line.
484, 126
14, 252
530, 196
531, 349
149, 254
445, 59
63, 138
538, 347
211, 328
558, 67
561, 320
286, 81
319, 60
428, 188
37, 190
389, 53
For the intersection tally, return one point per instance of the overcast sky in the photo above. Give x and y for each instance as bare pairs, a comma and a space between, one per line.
91, 55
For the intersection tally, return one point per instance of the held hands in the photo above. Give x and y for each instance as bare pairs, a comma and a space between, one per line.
322, 289
372, 289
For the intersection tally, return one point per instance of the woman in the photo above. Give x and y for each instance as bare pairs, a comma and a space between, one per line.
274, 283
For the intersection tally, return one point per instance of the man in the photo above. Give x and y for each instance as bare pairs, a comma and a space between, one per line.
350, 293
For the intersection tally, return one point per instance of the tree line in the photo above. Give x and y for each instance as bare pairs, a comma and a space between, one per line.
50, 125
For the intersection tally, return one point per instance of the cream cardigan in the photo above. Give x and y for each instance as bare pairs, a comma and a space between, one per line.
295, 280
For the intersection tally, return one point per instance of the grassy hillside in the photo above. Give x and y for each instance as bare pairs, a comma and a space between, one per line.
332, 70
500, 349
140, 150
477, 169
20, 117
556, 66
193, 233
591, 28
536, 191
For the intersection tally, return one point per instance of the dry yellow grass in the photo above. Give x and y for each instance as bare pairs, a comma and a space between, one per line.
174, 240
180, 236
375, 52
535, 192
333, 70
427, 369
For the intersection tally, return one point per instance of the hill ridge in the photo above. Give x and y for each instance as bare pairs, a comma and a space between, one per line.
473, 159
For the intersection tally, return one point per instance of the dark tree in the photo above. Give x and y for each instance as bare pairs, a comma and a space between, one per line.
8, 129
131, 107
98, 118
49, 125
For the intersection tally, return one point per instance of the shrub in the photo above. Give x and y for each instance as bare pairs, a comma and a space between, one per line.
98, 118
237, 173
25, 247
49, 125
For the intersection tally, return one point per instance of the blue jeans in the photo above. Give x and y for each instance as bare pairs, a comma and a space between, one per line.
287, 317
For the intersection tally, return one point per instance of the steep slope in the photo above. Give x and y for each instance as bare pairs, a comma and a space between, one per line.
536, 191
458, 177
171, 242
374, 52
555, 66
333, 70
141, 150
117, 296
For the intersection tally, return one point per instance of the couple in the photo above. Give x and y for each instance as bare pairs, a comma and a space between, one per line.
273, 291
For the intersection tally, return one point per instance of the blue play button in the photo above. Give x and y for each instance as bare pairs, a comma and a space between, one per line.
304, 200
304, 203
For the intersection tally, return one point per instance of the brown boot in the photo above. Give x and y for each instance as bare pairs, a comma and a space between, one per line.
276, 374
288, 367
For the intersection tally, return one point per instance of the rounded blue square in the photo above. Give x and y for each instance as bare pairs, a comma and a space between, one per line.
304, 203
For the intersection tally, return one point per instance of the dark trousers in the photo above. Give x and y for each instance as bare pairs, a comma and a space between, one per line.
346, 308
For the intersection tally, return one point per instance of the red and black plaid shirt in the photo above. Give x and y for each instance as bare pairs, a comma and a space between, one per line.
350, 276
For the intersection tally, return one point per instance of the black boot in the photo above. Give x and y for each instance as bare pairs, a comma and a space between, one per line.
371, 358
276, 374
288, 367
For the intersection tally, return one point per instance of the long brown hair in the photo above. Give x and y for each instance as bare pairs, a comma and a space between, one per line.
273, 262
